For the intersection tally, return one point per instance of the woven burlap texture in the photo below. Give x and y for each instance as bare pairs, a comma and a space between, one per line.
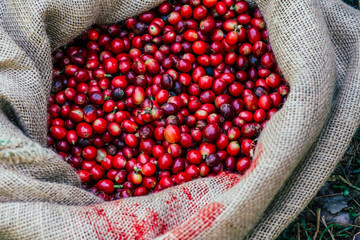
317, 46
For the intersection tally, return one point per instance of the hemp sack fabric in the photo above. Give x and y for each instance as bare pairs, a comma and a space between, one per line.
316, 44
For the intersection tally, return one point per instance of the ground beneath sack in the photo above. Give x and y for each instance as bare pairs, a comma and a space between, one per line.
335, 212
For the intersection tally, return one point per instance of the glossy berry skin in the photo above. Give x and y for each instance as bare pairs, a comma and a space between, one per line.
114, 129
246, 147
212, 160
84, 130
100, 125
105, 186
194, 157
131, 140
58, 132
148, 169
243, 164
172, 134
199, 47
165, 161
89, 152
84, 175
211, 132
118, 162
233, 148
165, 182
97, 172
110, 65
182, 177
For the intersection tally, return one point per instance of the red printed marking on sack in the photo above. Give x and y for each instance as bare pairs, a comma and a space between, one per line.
187, 193
101, 213
89, 216
134, 220
199, 222
138, 229
171, 203
173, 198
100, 230
229, 179
158, 223
153, 222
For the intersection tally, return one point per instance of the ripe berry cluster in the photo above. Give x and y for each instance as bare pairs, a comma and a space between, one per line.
177, 93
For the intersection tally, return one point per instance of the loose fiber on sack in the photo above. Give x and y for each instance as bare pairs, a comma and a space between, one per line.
317, 46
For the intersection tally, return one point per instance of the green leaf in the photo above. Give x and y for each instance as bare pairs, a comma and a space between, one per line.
323, 233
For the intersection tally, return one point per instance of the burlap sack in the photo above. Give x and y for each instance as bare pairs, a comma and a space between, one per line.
316, 43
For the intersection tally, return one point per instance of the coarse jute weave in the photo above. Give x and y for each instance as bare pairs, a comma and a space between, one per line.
317, 46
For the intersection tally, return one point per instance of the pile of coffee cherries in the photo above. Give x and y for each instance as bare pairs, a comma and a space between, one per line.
178, 93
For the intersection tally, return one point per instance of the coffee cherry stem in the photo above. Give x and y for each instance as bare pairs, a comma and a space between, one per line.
136, 169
